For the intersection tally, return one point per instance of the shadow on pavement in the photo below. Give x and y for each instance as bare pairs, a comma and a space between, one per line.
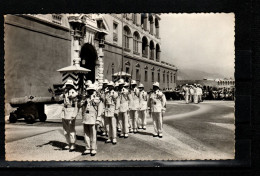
62, 145
145, 133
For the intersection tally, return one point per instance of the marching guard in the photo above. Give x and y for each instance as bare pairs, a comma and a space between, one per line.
69, 114
133, 106
143, 107
123, 107
110, 109
91, 116
187, 94
157, 106
102, 93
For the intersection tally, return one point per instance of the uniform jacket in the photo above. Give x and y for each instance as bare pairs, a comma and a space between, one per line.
101, 94
187, 91
91, 110
110, 103
123, 101
199, 91
143, 98
157, 102
70, 109
134, 99
191, 91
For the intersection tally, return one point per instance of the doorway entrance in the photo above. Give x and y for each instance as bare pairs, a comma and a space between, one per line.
88, 55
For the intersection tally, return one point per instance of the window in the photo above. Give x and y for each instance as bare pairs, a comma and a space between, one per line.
167, 78
136, 38
171, 77
157, 50
115, 32
145, 76
163, 77
137, 75
151, 50
113, 71
174, 78
127, 36
127, 69
144, 47
159, 79
152, 76
151, 23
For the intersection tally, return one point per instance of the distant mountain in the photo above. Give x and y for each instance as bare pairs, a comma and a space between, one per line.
192, 74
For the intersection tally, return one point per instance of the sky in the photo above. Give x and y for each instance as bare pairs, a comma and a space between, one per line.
203, 42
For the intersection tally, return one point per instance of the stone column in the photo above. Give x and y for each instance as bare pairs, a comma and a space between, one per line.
138, 20
100, 67
145, 22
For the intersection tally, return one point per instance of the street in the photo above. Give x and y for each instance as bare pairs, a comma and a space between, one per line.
191, 131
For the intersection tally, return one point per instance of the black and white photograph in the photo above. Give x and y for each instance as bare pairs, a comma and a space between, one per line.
114, 87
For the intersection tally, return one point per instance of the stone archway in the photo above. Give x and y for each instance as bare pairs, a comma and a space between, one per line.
89, 56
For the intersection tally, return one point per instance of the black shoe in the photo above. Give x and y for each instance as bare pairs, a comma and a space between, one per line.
160, 136
154, 135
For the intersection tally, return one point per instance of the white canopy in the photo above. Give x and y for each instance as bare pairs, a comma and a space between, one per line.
122, 74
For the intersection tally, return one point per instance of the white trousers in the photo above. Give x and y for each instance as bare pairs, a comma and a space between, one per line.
142, 118
90, 136
123, 118
69, 130
157, 122
133, 119
111, 125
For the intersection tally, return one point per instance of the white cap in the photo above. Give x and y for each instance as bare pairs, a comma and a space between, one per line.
126, 84
116, 84
88, 82
141, 85
111, 83
105, 81
121, 81
91, 87
69, 82
133, 82
156, 84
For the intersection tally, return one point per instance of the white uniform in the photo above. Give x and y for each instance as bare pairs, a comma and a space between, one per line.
199, 92
157, 103
133, 109
195, 95
142, 109
69, 113
187, 94
123, 107
91, 112
110, 108
191, 94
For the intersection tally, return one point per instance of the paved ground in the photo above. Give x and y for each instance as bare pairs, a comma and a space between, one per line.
201, 131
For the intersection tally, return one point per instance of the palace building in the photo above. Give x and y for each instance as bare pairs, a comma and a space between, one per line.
36, 46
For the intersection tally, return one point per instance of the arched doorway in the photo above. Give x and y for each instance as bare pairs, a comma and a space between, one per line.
88, 55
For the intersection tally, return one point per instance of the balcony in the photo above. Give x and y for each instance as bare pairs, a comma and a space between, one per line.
144, 55
136, 53
127, 49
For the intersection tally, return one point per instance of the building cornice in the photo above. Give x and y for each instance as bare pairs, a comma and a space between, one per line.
45, 21
141, 59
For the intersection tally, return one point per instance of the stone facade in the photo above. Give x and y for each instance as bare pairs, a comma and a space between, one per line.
36, 46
